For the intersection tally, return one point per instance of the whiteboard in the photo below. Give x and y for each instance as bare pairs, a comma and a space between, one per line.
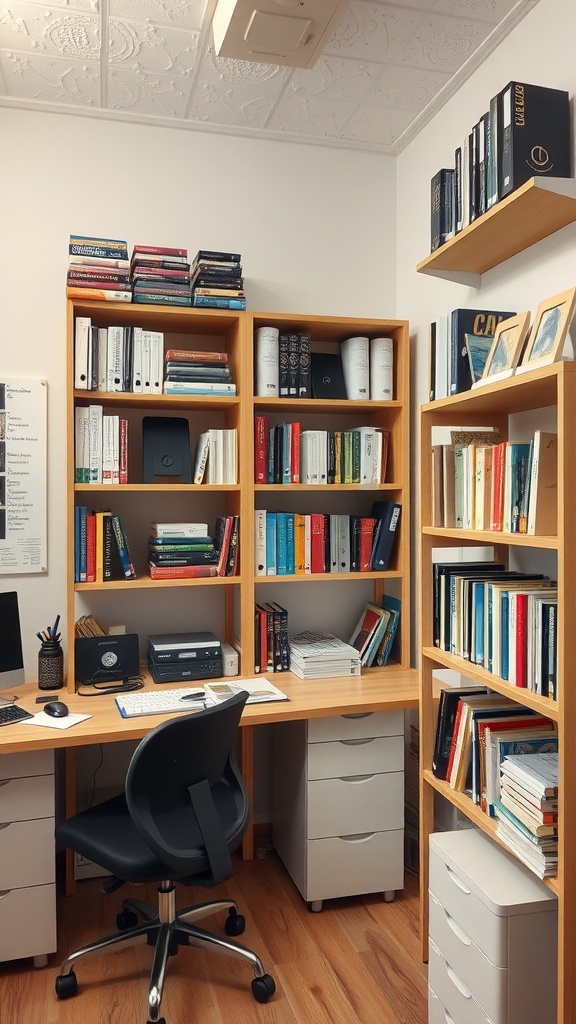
23, 408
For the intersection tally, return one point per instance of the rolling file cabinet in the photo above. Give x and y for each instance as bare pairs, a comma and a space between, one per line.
338, 804
492, 935
27, 861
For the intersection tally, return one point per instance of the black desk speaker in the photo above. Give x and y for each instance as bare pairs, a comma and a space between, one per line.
166, 449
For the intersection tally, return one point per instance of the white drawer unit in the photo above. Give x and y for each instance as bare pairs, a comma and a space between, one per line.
338, 804
488, 913
27, 864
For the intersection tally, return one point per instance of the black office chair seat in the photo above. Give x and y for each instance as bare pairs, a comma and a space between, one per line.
183, 812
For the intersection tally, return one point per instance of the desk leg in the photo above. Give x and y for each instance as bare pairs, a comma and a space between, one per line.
70, 809
247, 769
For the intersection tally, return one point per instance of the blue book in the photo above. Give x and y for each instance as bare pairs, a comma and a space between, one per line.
270, 543
478, 590
519, 460
393, 605
290, 556
281, 543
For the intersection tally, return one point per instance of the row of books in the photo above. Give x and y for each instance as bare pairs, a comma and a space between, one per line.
525, 133
132, 359
376, 630
476, 730
217, 280
503, 620
101, 549
217, 456
527, 810
480, 482
101, 446
271, 646
460, 343
287, 454
290, 543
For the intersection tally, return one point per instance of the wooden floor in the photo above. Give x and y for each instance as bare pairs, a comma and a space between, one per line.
357, 960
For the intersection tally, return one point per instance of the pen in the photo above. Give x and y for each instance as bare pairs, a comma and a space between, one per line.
193, 696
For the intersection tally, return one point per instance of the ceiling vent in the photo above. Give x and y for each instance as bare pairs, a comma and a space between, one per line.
291, 33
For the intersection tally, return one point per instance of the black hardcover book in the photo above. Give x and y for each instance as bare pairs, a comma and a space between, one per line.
387, 515
293, 364
215, 254
174, 558
233, 548
471, 335
482, 149
355, 528
304, 373
283, 645
112, 566
327, 376
474, 150
283, 364
535, 134
441, 220
440, 571
447, 707
458, 189
492, 150
432, 363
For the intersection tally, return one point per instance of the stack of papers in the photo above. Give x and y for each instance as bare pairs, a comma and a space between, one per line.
320, 655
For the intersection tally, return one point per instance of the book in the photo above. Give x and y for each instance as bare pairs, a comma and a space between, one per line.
365, 627
104, 294
467, 327
158, 250
304, 386
441, 207
381, 369
181, 572
542, 515
266, 362
217, 256
182, 530
447, 708
387, 516
535, 134
355, 355
218, 302
123, 549
179, 355
216, 387
392, 607
86, 246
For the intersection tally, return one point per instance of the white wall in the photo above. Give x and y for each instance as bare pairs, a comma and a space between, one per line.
315, 226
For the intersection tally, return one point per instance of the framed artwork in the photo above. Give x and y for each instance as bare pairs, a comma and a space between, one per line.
549, 330
506, 347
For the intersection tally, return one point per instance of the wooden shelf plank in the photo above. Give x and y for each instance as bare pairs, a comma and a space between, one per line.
537, 209
453, 536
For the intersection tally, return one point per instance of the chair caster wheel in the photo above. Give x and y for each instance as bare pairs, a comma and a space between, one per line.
126, 919
235, 923
66, 985
263, 988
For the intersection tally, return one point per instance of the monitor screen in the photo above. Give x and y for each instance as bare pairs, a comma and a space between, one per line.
11, 660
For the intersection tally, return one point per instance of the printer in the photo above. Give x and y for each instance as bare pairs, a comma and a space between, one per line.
177, 657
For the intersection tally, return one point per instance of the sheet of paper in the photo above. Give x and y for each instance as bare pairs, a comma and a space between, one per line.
55, 723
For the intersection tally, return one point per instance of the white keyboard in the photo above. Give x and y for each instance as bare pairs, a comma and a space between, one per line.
163, 702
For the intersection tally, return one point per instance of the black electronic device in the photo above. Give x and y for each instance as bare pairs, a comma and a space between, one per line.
327, 376
175, 657
56, 709
11, 660
101, 659
166, 449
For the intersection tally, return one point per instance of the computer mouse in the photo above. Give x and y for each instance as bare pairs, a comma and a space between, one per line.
56, 709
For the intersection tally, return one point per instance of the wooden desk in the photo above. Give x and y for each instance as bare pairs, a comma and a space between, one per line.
397, 688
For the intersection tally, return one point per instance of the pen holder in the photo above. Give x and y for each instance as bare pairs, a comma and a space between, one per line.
50, 666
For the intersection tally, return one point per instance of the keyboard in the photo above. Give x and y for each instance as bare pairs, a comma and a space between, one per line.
13, 713
163, 703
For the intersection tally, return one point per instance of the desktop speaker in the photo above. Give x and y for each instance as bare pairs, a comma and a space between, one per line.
104, 659
166, 449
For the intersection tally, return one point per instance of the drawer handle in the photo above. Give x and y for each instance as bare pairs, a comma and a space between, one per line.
359, 714
458, 881
359, 837
456, 981
458, 931
356, 778
358, 742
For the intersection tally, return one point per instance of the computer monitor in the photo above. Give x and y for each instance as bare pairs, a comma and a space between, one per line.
11, 660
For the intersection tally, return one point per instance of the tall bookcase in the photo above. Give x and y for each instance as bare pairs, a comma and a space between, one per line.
225, 605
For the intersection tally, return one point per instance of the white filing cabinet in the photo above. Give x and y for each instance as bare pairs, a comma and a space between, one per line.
338, 804
27, 862
493, 935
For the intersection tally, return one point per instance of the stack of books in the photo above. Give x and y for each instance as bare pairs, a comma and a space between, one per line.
98, 268
217, 280
527, 811
181, 551
226, 535
190, 372
321, 655
160, 275
272, 651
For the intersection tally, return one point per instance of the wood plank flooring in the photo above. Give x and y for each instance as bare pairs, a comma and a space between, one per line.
356, 961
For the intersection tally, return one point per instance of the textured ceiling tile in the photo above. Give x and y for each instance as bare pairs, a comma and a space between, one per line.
63, 33
377, 126
441, 44
310, 115
153, 48
51, 79
336, 79
186, 14
236, 92
406, 88
142, 93
372, 31
481, 10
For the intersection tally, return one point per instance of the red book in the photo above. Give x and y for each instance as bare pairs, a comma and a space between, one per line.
457, 717
123, 471
150, 273
366, 539
181, 572
179, 355
317, 542
158, 250
82, 282
295, 453
498, 466
260, 449
91, 548
521, 639
225, 545
262, 648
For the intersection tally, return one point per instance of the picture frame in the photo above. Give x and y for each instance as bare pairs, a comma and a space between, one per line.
506, 348
549, 330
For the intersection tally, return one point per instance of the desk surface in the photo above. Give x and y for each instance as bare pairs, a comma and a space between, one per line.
397, 688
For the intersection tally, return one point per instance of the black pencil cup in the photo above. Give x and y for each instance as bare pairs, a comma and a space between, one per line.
50, 666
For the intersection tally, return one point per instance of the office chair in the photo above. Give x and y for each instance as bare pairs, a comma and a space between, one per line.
183, 812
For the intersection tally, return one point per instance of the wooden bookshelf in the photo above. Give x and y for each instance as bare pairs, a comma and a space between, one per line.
535, 210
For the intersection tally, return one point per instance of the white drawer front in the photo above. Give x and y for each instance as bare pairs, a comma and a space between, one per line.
27, 854
27, 922
354, 864
360, 803
453, 994
21, 799
338, 758
488, 931
37, 762
487, 983
344, 727
438, 1014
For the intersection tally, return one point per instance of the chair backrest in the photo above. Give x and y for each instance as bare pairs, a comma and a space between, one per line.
185, 793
